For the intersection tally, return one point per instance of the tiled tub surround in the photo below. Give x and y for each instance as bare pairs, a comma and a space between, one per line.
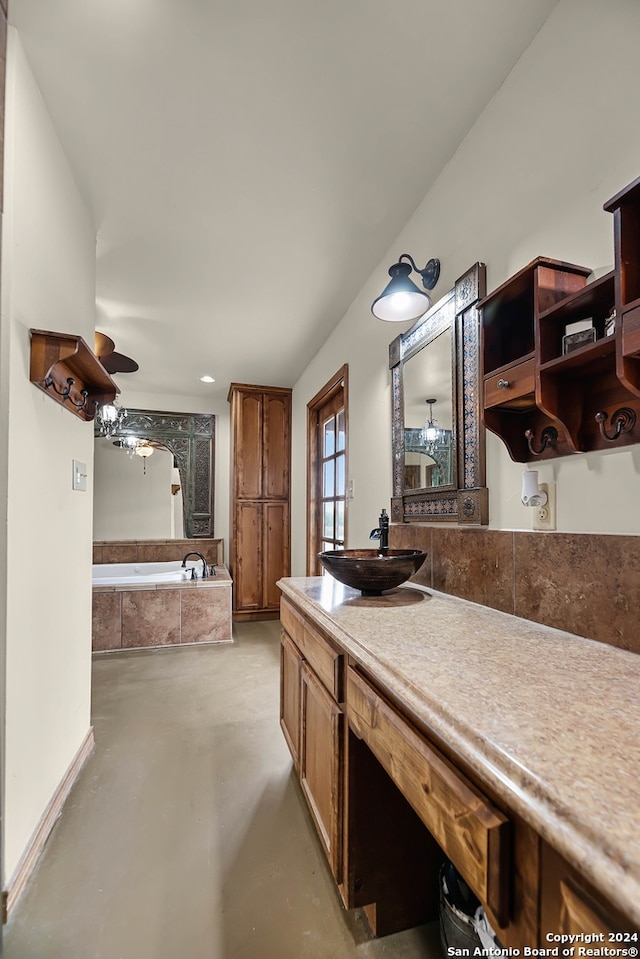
156, 550
164, 614
584, 583
546, 719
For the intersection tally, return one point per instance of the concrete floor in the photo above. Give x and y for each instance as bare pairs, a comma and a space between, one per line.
186, 834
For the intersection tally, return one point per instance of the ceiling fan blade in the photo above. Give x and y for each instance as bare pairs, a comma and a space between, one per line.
103, 345
119, 363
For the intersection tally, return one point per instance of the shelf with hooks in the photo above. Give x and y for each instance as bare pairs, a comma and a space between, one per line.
67, 370
561, 355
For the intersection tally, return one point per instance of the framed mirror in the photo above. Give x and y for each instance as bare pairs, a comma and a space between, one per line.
190, 438
437, 431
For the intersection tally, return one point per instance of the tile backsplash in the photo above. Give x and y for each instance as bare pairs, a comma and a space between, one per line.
156, 550
584, 583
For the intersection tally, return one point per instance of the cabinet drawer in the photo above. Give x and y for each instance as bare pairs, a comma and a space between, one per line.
514, 388
326, 662
467, 827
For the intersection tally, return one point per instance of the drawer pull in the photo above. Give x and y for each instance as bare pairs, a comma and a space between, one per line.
503, 384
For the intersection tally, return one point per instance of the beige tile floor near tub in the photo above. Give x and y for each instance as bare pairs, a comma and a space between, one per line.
186, 836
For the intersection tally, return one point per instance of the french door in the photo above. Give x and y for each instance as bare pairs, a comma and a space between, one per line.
327, 470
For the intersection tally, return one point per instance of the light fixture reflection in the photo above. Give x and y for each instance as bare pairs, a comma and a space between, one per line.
110, 417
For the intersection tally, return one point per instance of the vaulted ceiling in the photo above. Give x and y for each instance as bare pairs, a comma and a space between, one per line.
247, 163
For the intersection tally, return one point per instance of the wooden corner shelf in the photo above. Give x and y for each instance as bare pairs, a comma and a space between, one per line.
67, 370
575, 394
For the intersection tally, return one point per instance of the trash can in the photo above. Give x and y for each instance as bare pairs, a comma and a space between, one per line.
458, 907
463, 921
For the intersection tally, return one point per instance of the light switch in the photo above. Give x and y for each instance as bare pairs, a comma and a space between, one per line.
79, 476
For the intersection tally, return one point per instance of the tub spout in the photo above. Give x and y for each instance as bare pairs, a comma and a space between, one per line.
205, 568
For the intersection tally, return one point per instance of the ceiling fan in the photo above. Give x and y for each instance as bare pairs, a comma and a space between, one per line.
105, 350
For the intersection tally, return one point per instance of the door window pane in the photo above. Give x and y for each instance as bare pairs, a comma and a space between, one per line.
340, 431
340, 520
340, 477
328, 520
330, 437
328, 488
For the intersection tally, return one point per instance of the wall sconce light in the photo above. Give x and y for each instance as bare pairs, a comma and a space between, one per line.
531, 494
401, 300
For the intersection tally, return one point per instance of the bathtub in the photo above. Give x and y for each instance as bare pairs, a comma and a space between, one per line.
124, 574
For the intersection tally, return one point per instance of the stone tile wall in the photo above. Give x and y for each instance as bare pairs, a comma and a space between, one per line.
584, 583
157, 550
131, 617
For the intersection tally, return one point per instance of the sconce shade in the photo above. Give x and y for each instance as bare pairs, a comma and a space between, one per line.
401, 300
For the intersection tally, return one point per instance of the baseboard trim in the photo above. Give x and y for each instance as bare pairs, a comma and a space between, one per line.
32, 853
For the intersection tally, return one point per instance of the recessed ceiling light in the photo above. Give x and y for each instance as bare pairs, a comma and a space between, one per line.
207, 379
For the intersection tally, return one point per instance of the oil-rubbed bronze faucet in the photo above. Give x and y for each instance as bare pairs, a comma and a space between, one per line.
381, 531
205, 568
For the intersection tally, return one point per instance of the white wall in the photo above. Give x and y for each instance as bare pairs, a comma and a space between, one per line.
559, 139
48, 282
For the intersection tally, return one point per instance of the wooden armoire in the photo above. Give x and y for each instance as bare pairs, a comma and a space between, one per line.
260, 542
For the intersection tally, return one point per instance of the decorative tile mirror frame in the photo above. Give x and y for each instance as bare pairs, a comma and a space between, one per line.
465, 500
190, 438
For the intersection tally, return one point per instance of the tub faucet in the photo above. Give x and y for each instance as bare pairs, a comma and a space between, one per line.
205, 568
381, 531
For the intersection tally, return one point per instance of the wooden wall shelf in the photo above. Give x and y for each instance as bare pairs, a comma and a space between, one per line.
530, 386
67, 370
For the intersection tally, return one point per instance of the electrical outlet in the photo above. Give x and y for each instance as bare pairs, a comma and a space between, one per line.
544, 517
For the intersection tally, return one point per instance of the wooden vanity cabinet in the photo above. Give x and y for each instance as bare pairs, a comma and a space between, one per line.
313, 725
388, 806
259, 548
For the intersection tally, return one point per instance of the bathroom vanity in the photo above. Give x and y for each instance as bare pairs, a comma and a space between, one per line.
423, 726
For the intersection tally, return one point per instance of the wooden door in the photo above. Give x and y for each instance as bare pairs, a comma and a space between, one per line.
290, 667
327, 494
248, 453
276, 445
247, 573
321, 763
275, 548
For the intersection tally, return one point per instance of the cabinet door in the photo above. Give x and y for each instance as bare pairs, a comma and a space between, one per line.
277, 445
275, 550
247, 572
321, 764
248, 412
570, 906
290, 666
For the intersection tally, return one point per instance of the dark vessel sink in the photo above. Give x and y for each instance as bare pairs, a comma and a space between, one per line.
370, 570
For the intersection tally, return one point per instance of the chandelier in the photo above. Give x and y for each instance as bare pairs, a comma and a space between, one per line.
432, 436
110, 417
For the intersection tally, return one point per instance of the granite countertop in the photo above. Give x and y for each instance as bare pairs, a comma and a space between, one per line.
547, 719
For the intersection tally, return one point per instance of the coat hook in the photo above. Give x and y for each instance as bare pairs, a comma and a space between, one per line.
82, 402
548, 437
66, 392
623, 420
